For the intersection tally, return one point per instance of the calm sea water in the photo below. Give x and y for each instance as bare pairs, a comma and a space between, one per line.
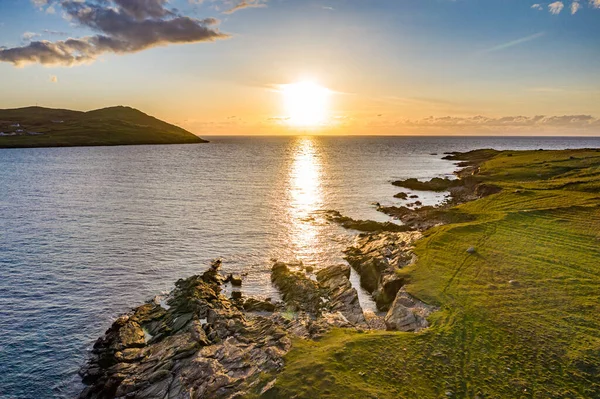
88, 233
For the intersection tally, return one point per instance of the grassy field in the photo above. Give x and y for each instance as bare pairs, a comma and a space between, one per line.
520, 318
44, 127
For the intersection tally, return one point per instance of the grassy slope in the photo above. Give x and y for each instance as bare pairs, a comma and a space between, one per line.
108, 126
538, 337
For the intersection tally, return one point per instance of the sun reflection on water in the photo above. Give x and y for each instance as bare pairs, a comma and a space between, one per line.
306, 197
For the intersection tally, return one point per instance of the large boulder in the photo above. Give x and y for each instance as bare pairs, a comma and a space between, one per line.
407, 313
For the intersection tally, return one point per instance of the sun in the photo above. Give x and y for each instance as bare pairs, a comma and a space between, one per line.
306, 103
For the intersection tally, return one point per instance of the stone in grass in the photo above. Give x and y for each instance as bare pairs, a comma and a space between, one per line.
471, 250
236, 294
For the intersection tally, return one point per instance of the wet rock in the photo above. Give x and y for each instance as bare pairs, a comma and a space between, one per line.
235, 280
236, 294
401, 195
407, 313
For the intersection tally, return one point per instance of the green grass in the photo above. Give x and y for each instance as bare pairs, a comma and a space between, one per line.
108, 126
518, 319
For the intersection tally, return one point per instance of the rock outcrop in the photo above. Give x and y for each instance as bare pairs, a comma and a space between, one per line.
200, 344
203, 345
299, 292
407, 313
370, 226
343, 298
377, 258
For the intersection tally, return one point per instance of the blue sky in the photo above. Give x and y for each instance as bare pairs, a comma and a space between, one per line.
396, 66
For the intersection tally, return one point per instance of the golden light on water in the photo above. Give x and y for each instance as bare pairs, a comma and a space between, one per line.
306, 103
306, 196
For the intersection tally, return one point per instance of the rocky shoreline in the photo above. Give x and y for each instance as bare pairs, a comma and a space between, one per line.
199, 343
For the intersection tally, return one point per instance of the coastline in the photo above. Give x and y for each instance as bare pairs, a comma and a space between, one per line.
385, 262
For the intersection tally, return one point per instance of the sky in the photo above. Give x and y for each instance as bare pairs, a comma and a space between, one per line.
466, 67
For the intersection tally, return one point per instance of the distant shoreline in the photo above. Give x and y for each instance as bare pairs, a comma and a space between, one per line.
24, 147
37, 127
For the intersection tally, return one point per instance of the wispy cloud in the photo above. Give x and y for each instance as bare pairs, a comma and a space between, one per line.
28, 36
537, 7
583, 121
123, 26
246, 4
575, 6
513, 43
556, 7
231, 6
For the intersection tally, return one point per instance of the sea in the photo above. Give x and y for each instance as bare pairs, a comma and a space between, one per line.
88, 233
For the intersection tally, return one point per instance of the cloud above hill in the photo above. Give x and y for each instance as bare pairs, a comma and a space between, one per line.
122, 26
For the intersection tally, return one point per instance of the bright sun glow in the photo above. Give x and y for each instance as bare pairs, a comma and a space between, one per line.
306, 103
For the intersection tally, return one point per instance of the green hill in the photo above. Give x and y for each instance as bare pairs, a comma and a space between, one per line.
45, 127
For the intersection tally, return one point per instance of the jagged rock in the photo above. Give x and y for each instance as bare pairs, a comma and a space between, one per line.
377, 258
343, 297
435, 184
407, 313
257, 305
202, 346
364, 225
298, 291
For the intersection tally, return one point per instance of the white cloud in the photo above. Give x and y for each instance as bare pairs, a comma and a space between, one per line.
575, 6
556, 7
595, 3
537, 7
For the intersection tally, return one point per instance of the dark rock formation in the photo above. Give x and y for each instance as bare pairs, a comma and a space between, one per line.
343, 297
299, 292
435, 184
401, 195
201, 346
364, 225
377, 258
